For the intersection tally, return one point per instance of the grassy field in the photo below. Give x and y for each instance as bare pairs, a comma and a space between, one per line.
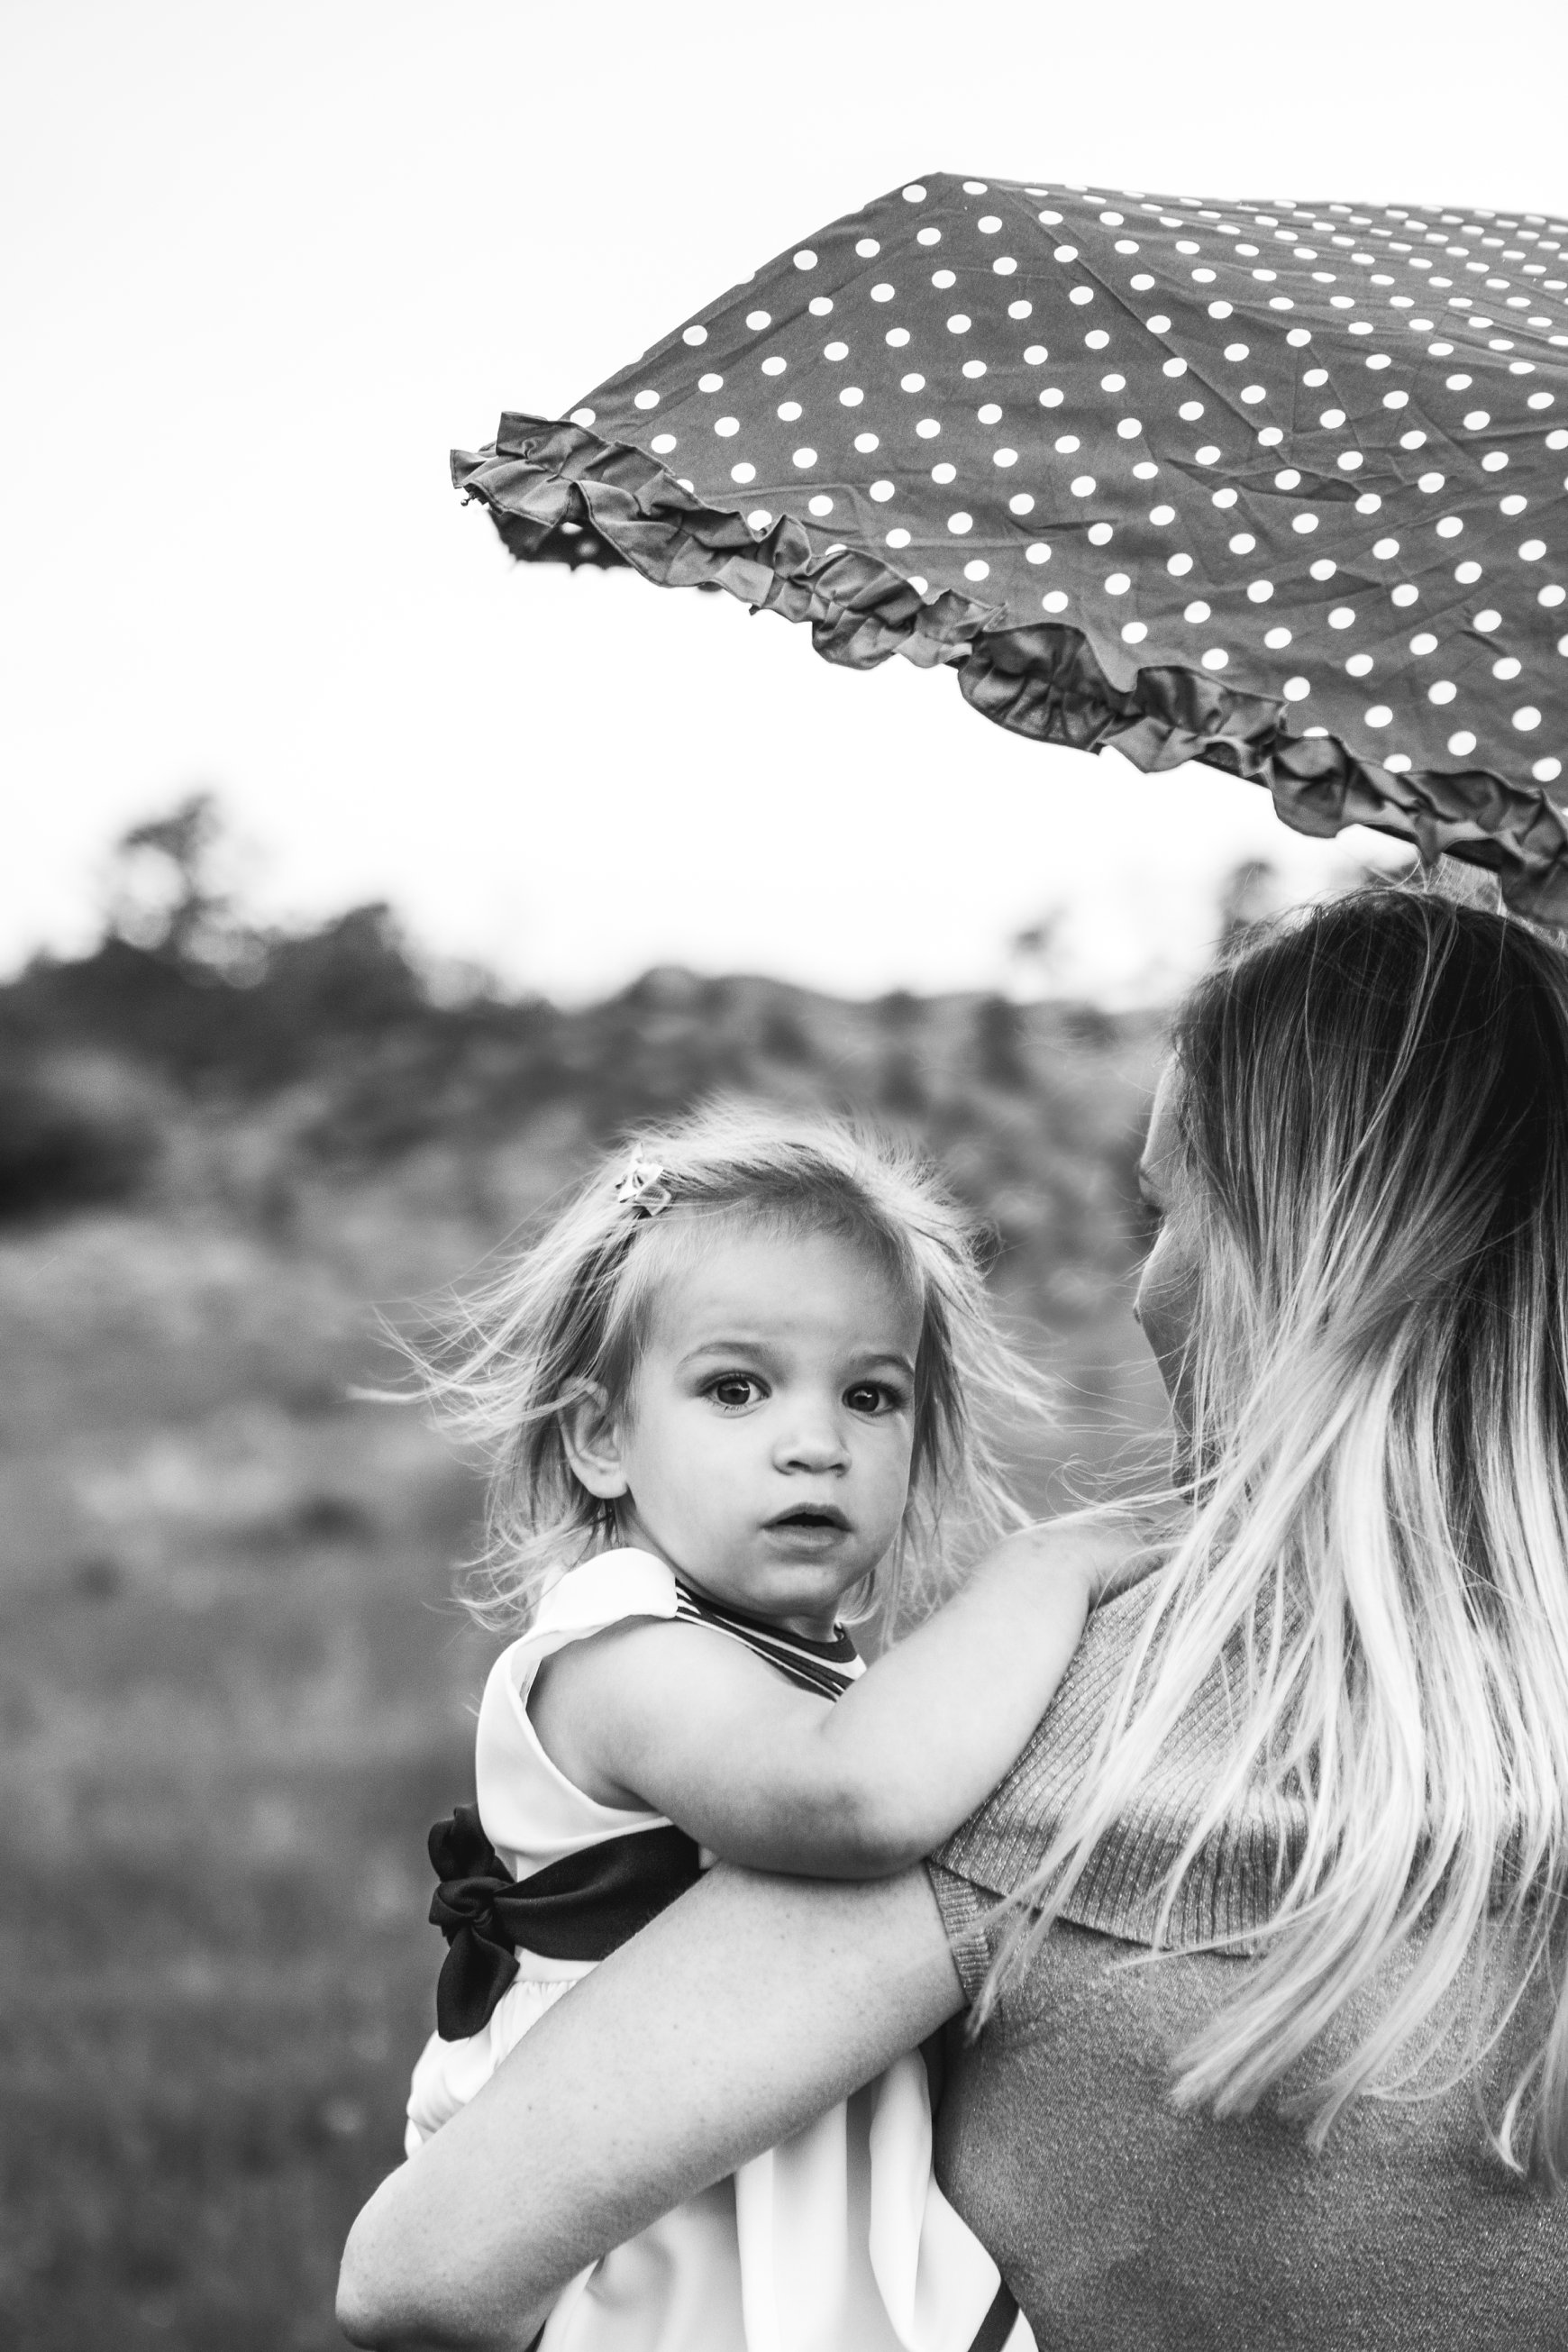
233, 1692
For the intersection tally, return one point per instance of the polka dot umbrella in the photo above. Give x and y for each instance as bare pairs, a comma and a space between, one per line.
1275, 487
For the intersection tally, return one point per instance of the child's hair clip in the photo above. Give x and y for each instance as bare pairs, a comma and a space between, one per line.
643, 1187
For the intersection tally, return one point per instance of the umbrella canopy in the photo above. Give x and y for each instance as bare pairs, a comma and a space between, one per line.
1275, 487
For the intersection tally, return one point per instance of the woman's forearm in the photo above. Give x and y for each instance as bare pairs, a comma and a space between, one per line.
748, 2008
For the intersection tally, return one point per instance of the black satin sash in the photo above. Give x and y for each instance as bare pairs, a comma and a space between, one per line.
579, 1908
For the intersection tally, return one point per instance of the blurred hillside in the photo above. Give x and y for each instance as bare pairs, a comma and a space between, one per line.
233, 1689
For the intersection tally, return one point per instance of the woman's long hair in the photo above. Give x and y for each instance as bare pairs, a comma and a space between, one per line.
1372, 1106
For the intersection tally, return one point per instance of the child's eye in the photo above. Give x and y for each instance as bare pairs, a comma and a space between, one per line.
872, 1396
733, 1391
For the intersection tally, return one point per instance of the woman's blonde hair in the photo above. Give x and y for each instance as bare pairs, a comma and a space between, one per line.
1372, 1108
568, 1317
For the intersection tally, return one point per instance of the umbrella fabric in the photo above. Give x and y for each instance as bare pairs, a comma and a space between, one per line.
1277, 487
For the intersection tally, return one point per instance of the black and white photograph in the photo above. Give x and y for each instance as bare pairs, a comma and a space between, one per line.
783, 1178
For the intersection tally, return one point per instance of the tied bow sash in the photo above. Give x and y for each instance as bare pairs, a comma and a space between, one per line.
579, 1908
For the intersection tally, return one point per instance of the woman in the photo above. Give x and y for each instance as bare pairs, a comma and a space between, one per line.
1317, 1766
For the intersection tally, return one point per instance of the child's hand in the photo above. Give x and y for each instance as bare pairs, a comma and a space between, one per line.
1104, 1555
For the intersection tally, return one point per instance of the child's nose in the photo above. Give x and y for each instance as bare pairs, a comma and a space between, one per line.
815, 1442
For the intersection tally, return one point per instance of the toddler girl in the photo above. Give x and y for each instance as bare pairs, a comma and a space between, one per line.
736, 1391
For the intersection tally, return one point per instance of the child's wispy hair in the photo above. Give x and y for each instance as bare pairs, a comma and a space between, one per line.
567, 1317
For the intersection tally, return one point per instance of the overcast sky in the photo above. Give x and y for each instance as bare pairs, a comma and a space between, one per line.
265, 261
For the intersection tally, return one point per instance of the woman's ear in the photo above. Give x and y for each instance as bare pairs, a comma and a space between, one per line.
591, 1436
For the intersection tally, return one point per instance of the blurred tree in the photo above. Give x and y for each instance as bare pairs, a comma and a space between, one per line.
164, 899
998, 1044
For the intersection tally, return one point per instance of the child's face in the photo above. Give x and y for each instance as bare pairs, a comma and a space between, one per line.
766, 1452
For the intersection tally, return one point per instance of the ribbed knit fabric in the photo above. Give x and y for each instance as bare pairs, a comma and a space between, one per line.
1125, 2224
1225, 1893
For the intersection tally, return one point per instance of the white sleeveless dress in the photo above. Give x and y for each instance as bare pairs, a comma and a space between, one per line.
837, 2240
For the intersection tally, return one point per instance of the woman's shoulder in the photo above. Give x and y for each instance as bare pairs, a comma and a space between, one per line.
1225, 1891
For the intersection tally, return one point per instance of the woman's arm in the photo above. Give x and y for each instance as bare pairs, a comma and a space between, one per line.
686, 1721
748, 2008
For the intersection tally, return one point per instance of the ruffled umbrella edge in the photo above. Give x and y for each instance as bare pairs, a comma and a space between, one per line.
558, 492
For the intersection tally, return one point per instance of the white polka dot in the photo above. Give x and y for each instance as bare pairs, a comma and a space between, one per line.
1118, 583
1173, 367
711, 382
805, 258
1261, 591
788, 410
915, 193
819, 306
1242, 543
912, 384
1022, 504
806, 458
1004, 265
883, 293
1406, 594
1190, 411
896, 338
1442, 690
1295, 689
760, 519
916, 582
866, 443
1179, 565
898, 539
1359, 664
1036, 355
1533, 549
758, 320
774, 366
1461, 743
1466, 572
868, 249
1101, 534
662, 444
943, 278
726, 426
976, 188
881, 492
1342, 617
582, 416
1215, 657
835, 350
1196, 612
1507, 667
1368, 503
1277, 639
1038, 553
928, 428
1020, 310
851, 396
1397, 761
973, 368
1134, 632
1003, 456
822, 504
1385, 549
1379, 714
1550, 595
645, 400
944, 473
1304, 522
1527, 718
1488, 620
1129, 428
1546, 772
694, 334
1056, 602
928, 236
961, 522
1450, 526
1051, 397
742, 473
1253, 392
977, 569
1083, 486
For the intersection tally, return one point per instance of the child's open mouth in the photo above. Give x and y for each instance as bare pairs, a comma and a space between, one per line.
811, 1519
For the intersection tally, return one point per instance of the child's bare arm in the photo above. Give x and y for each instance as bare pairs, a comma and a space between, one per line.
682, 1719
